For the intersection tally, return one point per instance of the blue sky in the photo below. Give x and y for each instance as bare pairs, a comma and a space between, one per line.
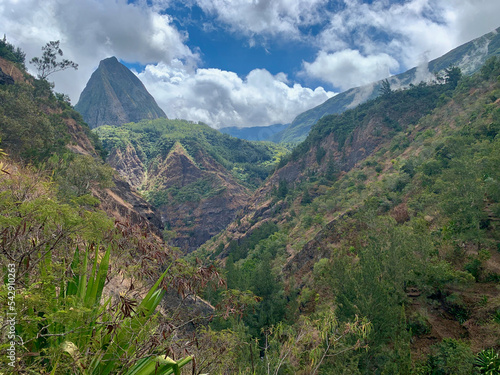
245, 62
220, 48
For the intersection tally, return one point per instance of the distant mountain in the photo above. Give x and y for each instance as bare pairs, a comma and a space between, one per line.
255, 133
115, 96
469, 57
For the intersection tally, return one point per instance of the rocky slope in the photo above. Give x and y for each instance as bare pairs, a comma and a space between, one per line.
337, 144
196, 196
195, 176
204, 198
128, 165
115, 96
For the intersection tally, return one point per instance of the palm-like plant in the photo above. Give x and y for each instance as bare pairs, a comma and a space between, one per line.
98, 340
488, 362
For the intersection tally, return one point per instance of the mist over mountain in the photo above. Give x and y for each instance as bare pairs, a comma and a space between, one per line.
115, 96
468, 57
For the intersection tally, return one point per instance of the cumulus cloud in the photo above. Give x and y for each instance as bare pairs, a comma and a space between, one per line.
220, 98
356, 42
283, 17
90, 30
396, 36
349, 68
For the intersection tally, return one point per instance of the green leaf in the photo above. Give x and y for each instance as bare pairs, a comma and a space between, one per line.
101, 277
72, 287
90, 288
160, 365
82, 284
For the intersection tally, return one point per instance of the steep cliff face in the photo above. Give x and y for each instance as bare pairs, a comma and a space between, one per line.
115, 96
196, 196
9, 69
123, 203
195, 176
129, 165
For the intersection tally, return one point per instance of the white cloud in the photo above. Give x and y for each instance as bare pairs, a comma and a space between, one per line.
357, 43
266, 17
221, 98
348, 68
364, 40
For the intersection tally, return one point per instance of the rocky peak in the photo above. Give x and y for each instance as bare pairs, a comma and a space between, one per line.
115, 96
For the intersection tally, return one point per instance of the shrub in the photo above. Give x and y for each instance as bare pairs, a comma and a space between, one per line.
418, 324
451, 357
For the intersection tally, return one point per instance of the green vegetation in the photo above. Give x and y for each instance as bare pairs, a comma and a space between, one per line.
488, 362
193, 192
11, 53
414, 224
348, 269
59, 310
451, 357
79, 321
250, 162
65, 320
393, 110
33, 127
27, 130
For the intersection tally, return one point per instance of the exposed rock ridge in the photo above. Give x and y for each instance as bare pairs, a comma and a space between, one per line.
129, 165
5, 79
124, 204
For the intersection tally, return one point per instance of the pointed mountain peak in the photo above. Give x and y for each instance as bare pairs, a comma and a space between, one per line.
115, 96
110, 62
111, 59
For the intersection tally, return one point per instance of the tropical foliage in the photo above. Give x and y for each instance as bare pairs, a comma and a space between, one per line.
348, 266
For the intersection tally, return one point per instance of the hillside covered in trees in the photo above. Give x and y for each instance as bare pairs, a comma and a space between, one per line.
82, 261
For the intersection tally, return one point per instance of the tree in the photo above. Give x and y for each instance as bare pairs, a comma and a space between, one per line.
9, 52
453, 74
282, 189
48, 64
306, 197
385, 89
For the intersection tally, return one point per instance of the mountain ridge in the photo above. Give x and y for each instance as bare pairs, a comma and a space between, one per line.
197, 177
469, 57
254, 133
385, 211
